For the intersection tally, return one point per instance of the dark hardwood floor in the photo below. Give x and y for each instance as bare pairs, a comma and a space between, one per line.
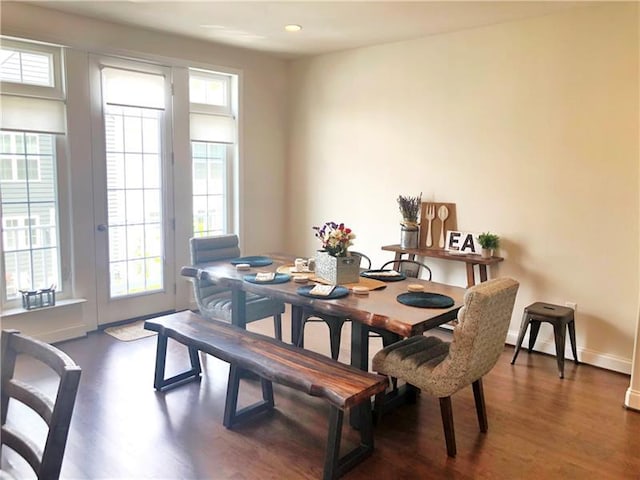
540, 427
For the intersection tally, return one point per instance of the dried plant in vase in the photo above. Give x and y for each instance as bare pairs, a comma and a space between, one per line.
409, 209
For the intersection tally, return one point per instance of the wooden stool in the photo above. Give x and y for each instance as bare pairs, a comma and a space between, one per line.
556, 315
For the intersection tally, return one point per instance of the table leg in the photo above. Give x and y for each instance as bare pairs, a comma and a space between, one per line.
359, 346
239, 308
471, 281
483, 273
296, 326
359, 359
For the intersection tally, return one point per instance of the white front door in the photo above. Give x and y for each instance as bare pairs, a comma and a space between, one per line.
132, 184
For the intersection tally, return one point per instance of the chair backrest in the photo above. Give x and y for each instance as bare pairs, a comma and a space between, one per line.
365, 262
410, 268
56, 413
479, 336
209, 249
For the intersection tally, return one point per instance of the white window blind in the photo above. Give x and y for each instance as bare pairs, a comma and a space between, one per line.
37, 115
212, 128
135, 89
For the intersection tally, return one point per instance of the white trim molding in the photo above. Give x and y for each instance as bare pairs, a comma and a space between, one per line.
632, 399
591, 357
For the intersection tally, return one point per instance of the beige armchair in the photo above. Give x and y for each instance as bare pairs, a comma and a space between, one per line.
215, 301
441, 368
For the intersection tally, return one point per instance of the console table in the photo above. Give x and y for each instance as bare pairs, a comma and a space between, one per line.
469, 260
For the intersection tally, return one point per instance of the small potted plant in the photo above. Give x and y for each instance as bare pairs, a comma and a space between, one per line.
409, 209
489, 242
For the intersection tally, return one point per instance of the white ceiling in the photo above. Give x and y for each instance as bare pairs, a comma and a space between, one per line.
327, 26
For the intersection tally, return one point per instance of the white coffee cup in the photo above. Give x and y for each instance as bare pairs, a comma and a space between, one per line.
300, 265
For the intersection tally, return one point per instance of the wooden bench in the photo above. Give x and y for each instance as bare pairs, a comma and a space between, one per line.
341, 385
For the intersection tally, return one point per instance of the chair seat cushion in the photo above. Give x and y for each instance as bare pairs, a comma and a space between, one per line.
412, 359
218, 306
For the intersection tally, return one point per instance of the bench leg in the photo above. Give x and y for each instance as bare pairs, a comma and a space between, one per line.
159, 382
232, 415
332, 456
336, 466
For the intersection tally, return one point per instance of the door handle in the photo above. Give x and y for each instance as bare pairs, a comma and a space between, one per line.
102, 227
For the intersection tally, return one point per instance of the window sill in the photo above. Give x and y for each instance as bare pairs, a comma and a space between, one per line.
12, 312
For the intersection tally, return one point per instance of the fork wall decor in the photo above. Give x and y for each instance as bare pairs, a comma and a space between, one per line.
435, 220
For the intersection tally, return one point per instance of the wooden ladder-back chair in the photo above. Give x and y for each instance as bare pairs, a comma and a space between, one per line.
46, 462
215, 301
441, 368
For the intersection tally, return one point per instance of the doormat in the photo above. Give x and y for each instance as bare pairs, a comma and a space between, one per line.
130, 331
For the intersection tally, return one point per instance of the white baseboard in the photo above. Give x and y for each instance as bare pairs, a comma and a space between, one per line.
632, 399
67, 333
591, 357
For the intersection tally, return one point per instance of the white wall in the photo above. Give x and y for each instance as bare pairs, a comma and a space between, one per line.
530, 127
263, 137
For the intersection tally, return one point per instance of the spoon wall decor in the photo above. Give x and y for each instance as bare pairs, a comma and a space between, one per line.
443, 214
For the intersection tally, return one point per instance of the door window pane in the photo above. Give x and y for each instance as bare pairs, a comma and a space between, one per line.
134, 193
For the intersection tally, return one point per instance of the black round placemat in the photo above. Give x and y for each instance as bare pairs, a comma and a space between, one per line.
254, 261
425, 300
375, 274
338, 292
279, 278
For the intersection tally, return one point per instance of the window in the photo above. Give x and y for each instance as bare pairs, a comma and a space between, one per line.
33, 117
209, 188
29, 214
14, 167
213, 136
210, 89
23, 67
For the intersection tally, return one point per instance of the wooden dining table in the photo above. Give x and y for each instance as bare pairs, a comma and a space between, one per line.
379, 309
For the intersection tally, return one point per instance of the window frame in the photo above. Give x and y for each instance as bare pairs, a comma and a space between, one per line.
63, 209
57, 91
231, 149
208, 108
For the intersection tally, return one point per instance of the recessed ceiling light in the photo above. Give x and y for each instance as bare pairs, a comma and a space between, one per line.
292, 27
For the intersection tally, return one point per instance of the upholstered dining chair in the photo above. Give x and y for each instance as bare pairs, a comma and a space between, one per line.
55, 412
334, 323
441, 368
215, 301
